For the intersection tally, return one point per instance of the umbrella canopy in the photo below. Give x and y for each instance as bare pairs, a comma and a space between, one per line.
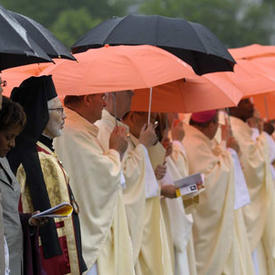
252, 51
261, 60
16, 46
15, 76
246, 77
191, 42
265, 104
188, 96
117, 68
43, 37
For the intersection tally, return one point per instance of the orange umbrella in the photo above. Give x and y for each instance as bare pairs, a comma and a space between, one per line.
265, 104
117, 68
252, 51
247, 77
15, 76
189, 95
261, 59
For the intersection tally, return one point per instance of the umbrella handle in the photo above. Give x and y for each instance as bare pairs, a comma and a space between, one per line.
150, 106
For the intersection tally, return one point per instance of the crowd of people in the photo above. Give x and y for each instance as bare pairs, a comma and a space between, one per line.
118, 172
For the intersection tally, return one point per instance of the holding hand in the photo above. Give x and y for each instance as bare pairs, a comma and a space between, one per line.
118, 140
38, 221
148, 135
168, 191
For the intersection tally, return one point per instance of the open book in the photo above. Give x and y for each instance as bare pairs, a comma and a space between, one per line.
190, 186
61, 210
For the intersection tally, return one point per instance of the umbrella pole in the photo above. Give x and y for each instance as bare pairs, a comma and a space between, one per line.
266, 108
150, 106
115, 105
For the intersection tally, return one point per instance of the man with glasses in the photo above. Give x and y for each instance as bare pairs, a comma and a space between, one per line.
44, 181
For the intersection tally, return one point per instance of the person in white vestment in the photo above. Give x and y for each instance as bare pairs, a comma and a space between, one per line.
96, 182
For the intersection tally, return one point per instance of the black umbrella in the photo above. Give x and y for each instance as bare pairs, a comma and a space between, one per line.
191, 42
16, 46
43, 37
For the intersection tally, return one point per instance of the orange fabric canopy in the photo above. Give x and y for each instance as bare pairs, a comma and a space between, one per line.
247, 77
261, 59
186, 96
252, 51
117, 68
15, 76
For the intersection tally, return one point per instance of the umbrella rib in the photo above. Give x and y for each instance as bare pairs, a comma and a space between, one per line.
202, 43
34, 25
22, 33
110, 32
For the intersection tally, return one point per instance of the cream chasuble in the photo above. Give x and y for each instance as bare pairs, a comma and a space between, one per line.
143, 210
178, 224
95, 180
180, 160
215, 228
134, 174
259, 214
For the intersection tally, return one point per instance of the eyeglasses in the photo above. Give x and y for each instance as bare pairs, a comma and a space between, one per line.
58, 109
3, 83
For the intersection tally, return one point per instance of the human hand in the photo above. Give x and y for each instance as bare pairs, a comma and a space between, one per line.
160, 171
37, 221
148, 135
177, 130
168, 191
118, 140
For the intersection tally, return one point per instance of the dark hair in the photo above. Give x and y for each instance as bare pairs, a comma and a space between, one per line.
11, 115
73, 99
269, 128
204, 124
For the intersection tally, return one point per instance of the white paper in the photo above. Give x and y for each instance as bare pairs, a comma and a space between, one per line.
49, 213
190, 180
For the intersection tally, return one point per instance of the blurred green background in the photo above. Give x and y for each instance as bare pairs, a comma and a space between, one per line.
235, 22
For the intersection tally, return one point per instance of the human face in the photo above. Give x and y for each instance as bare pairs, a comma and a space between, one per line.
97, 105
246, 108
56, 118
123, 101
7, 139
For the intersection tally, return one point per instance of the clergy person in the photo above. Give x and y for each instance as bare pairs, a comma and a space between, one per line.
44, 182
255, 160
96, 182
156, 256
140, 183
135, 170
178, 224
215, 228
